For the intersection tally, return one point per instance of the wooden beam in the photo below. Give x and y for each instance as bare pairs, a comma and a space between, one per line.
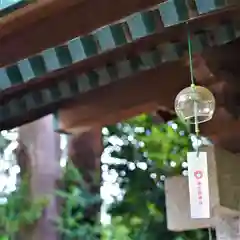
175, 34
142, 93
20, 31
48, 23
32, 115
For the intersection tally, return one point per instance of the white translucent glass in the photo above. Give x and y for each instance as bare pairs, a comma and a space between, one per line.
199, 102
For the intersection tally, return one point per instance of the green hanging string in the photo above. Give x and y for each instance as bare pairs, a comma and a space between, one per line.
190, 59
193, 86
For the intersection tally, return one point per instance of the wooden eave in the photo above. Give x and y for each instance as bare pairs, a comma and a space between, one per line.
12, 7
151, 46
47, 23
156, 89
150, 22
144, 92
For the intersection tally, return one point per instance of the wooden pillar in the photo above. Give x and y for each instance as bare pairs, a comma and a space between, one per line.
42, 145
85, 151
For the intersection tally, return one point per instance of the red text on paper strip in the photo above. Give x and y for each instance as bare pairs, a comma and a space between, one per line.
198, 176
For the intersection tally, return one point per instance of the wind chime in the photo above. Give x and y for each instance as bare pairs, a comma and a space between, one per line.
195, 105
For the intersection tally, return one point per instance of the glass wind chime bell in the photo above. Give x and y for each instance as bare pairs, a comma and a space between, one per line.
195, 104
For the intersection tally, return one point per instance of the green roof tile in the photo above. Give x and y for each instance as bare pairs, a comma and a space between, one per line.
142, 24
111, 36
93, 78
26, 70
199, 42
205, 6
83, 83
76, 50
89, 45
151, 58
50, 59
63, 55
171, 51
4, 79
14, 74
38, 65
173, 12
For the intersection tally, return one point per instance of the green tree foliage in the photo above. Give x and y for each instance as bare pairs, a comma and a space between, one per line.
76, 200
4, 238
116, 230
20, 210
148, 153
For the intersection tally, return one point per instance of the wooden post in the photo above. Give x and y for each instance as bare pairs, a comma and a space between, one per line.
85, 151
42, 145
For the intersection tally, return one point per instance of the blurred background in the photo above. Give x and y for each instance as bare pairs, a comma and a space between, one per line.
138, 155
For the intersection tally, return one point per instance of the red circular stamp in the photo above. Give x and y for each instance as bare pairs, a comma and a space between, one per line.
198, 174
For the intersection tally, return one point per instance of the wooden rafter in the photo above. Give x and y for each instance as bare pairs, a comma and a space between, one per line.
57, 21
35, 104
27, 106
221, 129
32, 68
144, 93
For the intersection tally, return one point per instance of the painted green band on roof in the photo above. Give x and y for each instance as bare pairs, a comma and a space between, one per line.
111, 37
151, 58
14, 74
173, 12
140, 25
205, 6
73, 87
64, 56
199, 42
7, 8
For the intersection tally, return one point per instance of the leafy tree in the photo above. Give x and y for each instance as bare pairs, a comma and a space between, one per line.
147, 153
116, 230
76, 200
20, 212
